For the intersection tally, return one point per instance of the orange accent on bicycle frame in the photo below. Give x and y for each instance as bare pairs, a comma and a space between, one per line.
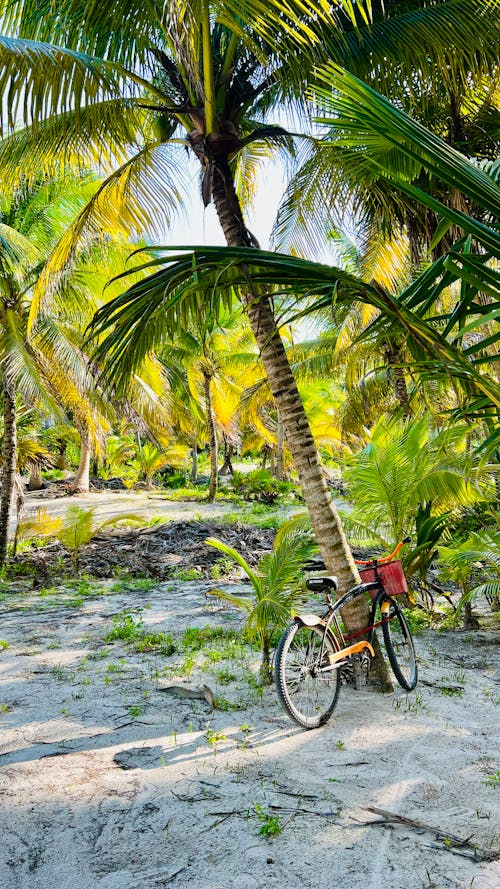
352, 649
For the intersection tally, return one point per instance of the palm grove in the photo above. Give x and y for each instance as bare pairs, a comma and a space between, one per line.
125, 91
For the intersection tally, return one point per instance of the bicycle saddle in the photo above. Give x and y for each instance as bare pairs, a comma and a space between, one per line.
318, 584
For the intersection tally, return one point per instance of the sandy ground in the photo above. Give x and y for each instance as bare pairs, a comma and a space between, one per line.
107, 781
112, 503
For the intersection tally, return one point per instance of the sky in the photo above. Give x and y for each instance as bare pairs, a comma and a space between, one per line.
199, 227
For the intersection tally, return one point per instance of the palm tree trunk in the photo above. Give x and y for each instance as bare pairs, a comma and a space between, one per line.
265, 455
266, 674
81, 481
36, 481
280, 448
212, 439
227, 466
272, 462
194, 464
9, 457
325, 520
397, 378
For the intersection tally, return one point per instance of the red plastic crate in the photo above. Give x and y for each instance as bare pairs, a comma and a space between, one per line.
391, 575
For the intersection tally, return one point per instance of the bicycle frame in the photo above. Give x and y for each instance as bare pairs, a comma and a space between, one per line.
340, 657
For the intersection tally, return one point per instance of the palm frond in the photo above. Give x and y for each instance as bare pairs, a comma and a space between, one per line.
452, 39
26, 66
285, 564
99, 134
216, 275
125, 31
40, 524
142, 195
396, 146
253, 577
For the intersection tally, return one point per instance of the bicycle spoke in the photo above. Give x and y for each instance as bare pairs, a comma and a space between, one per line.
308, 695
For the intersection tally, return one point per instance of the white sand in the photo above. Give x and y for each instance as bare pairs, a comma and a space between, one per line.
182, 813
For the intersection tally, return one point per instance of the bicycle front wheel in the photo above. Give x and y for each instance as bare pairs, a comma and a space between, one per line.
308, 695
399, 646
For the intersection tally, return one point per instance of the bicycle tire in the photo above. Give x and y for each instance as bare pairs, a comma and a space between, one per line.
308, 699
400, 648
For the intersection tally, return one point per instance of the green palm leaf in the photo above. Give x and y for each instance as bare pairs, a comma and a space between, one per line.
75, 77
397, 146
252, 575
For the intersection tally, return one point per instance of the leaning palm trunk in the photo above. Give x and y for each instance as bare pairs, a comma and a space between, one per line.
280, 450
325, 520
9, 456
81, 481
212, 438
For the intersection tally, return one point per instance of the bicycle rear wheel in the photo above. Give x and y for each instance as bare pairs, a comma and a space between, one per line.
400, 649
307, 695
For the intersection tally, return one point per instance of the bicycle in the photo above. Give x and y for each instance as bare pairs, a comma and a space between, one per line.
314, 655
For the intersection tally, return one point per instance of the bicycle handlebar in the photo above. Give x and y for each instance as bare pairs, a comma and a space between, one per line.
385, 558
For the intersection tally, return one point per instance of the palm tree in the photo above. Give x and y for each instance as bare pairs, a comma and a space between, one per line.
62, 341
451, 89
31, 220
218, 355
78, 526
458, 342
150, 460
404, 466
211, 80
277, 586
474, 564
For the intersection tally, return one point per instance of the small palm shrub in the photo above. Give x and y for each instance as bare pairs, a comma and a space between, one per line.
151, 460
409, 479
404, 466
475, 565
38, 525
78, 527
259, 485
277, 587
119, 450
429, 530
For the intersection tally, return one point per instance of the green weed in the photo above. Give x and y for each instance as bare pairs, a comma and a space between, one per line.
225, 705
451, 691
134, 584
63, 675
418, 620
187, 574
225, 676
493, 780
269, 824
126, 627
213, 738
4, 645
410, 704
222, 568
195, 638
186, 667
162, 643
136, 710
